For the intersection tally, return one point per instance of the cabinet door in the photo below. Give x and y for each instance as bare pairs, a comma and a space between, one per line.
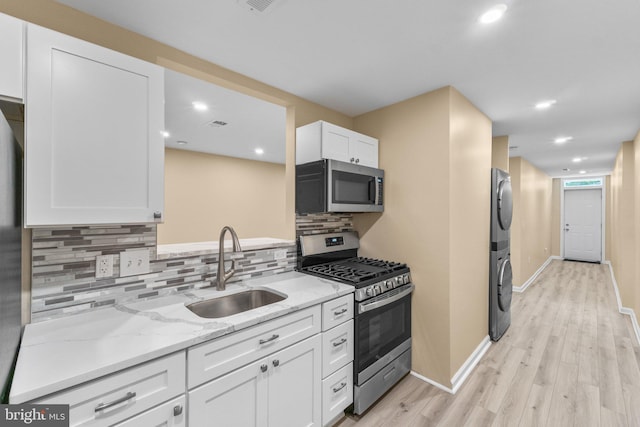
238, 399
11, 48
364, 149
295, 385
335, 142
94, 149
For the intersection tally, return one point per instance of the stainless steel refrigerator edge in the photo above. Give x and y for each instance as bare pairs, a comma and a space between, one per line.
10, 251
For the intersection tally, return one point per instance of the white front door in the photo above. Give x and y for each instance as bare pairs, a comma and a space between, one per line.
583, 224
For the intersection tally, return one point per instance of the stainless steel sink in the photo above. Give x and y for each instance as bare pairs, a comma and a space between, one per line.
234, 303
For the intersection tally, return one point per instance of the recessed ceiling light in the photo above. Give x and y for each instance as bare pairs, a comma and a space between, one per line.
576, 159
165, 134
563, 139
259, 151
182, 142
542, 105
583, 172
566, 170
494, 14
200, 106
513, 147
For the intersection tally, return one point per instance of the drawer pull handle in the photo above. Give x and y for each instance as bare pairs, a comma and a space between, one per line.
124, 398
338, 313
264, 368
177, 410
339, 343
273, 337
276, 363
340, 387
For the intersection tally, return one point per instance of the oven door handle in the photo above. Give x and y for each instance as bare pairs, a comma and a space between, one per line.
364, 307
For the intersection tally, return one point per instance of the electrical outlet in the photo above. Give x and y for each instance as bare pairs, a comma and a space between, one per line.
281, 254
134, 262
104, 266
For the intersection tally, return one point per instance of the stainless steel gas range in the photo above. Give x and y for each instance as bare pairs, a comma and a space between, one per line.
382, 310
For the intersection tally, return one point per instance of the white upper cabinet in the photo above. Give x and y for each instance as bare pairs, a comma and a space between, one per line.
322, 140
11, 54
94, 148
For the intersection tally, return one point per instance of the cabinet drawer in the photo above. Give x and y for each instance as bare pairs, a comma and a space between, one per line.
170, 414
210, 360
337, 393
337, 347
337, 311
123, 394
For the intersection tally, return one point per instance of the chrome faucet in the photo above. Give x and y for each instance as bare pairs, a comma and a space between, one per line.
223, 276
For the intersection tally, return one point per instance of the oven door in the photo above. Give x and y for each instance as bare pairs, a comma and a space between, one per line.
383, 331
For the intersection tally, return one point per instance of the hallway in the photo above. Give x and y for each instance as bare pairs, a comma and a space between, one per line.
569, 358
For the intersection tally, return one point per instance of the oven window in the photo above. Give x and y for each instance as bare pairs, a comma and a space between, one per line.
353, 188
381, 330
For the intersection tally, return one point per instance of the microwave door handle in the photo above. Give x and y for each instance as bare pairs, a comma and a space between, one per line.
364, 307
372, 190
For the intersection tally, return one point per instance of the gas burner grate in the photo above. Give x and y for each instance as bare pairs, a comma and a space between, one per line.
388, 266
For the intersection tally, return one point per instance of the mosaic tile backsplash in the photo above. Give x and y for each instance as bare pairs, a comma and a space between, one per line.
323, 223
64, 264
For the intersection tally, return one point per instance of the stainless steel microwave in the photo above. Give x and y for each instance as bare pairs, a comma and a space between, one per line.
333, 186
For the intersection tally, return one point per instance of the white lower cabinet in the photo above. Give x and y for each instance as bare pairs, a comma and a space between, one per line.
283, 389
337, 393
117, 397
170, 414
337, 357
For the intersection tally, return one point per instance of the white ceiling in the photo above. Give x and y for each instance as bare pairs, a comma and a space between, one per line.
359, 55
251, 122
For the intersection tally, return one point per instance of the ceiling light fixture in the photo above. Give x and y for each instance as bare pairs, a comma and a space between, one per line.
259, 151
563, 139
583, 172
566, 170
182, 142
543, 105
494, 14
576, 159
200, 106
165, 134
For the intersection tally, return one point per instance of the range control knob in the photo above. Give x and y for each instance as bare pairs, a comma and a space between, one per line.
378, 289
397, 281
369, 292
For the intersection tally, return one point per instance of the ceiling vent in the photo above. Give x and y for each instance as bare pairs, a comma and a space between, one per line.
216, 123
256, 5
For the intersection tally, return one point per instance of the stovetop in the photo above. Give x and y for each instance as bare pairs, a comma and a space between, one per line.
357, 270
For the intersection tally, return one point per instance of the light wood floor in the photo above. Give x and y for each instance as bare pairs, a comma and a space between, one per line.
568, 359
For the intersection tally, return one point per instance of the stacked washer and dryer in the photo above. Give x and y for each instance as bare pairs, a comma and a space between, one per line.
500, 274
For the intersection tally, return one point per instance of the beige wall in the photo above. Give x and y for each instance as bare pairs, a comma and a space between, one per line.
470, 207
436, 152
556, 194
532, 214
500, 153
623, 223
204, 192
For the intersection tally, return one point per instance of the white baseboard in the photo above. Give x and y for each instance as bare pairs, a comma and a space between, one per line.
526, 284
624, 310
467, 367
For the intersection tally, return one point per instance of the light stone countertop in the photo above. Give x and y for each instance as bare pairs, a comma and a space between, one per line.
61, 353
175, 250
